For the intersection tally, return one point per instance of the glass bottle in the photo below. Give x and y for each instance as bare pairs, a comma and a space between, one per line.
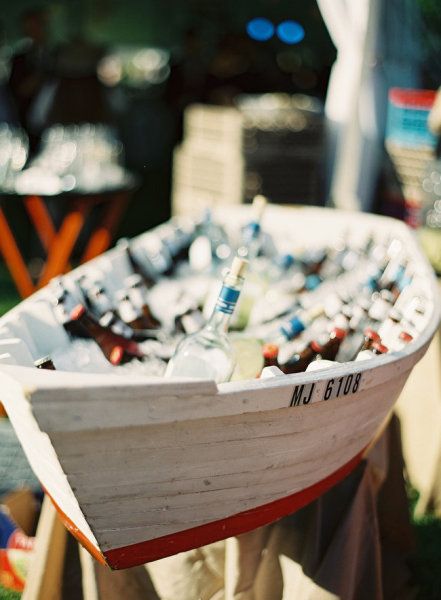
294, 326
45, 362
375, 349
208, 354
251, 234
137, 291
331, 347
115, 348
299, 361
141, 266
270, 353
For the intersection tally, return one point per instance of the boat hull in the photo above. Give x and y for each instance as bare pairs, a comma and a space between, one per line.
145, 468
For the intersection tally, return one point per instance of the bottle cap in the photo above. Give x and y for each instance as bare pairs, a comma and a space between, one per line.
395, 315
238, 267
285, 261
316, 346
364, 303
341, 322
387, 295
122, 295
134, 280
270, 351
312, 282
123, 243
116, 355
259, 205
77, 312
405, 337
379, 348
107, 319
371, 334
338, 333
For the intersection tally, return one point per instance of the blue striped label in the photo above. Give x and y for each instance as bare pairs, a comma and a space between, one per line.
292, 328
227, 300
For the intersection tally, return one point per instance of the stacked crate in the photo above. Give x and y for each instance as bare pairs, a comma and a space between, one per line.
411, 147
270, 144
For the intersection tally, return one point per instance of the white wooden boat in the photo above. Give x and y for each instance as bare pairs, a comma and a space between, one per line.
142, 468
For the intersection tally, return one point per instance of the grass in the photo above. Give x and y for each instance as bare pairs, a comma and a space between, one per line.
8, 594
8, 293
428, 558
428, 551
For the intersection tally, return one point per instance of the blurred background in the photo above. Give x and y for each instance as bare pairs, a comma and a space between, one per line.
131, 72
96, 96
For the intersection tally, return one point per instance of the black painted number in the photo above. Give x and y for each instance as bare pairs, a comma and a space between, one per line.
342, 386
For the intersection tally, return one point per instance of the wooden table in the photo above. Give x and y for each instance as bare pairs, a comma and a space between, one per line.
59, 243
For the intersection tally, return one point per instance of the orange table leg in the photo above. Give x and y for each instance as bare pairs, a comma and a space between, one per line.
14, 260
41, 219
63, 243
102, 237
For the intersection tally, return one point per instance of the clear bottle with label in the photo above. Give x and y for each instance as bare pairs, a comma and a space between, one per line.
251, 241
295, 325
211, 246
208, 354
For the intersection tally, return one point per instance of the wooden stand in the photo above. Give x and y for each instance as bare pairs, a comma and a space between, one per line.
61, 569
59, 245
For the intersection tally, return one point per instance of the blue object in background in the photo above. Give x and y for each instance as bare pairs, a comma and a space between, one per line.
260, 29
290, 32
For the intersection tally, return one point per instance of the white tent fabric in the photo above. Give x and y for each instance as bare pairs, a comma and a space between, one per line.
367, 63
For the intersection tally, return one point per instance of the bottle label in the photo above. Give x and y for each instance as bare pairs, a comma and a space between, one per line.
251, 231
292, 328
227, 300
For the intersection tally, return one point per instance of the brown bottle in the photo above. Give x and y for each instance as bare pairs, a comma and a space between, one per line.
331, 347
109, 342
379, 348
298, 362
270, 353
137, 292
375, 349
130, 314
370, 336
45, 363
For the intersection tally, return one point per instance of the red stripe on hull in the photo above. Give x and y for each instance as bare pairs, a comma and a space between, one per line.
143, 552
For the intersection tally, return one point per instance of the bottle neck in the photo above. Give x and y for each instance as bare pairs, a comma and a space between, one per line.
225, 304
218, 321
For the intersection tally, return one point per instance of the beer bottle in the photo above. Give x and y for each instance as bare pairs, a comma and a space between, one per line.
374, 349
45, 363
299, 361
270, 353
143, 267
331, 347
251, 234
115, 348
138, 293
